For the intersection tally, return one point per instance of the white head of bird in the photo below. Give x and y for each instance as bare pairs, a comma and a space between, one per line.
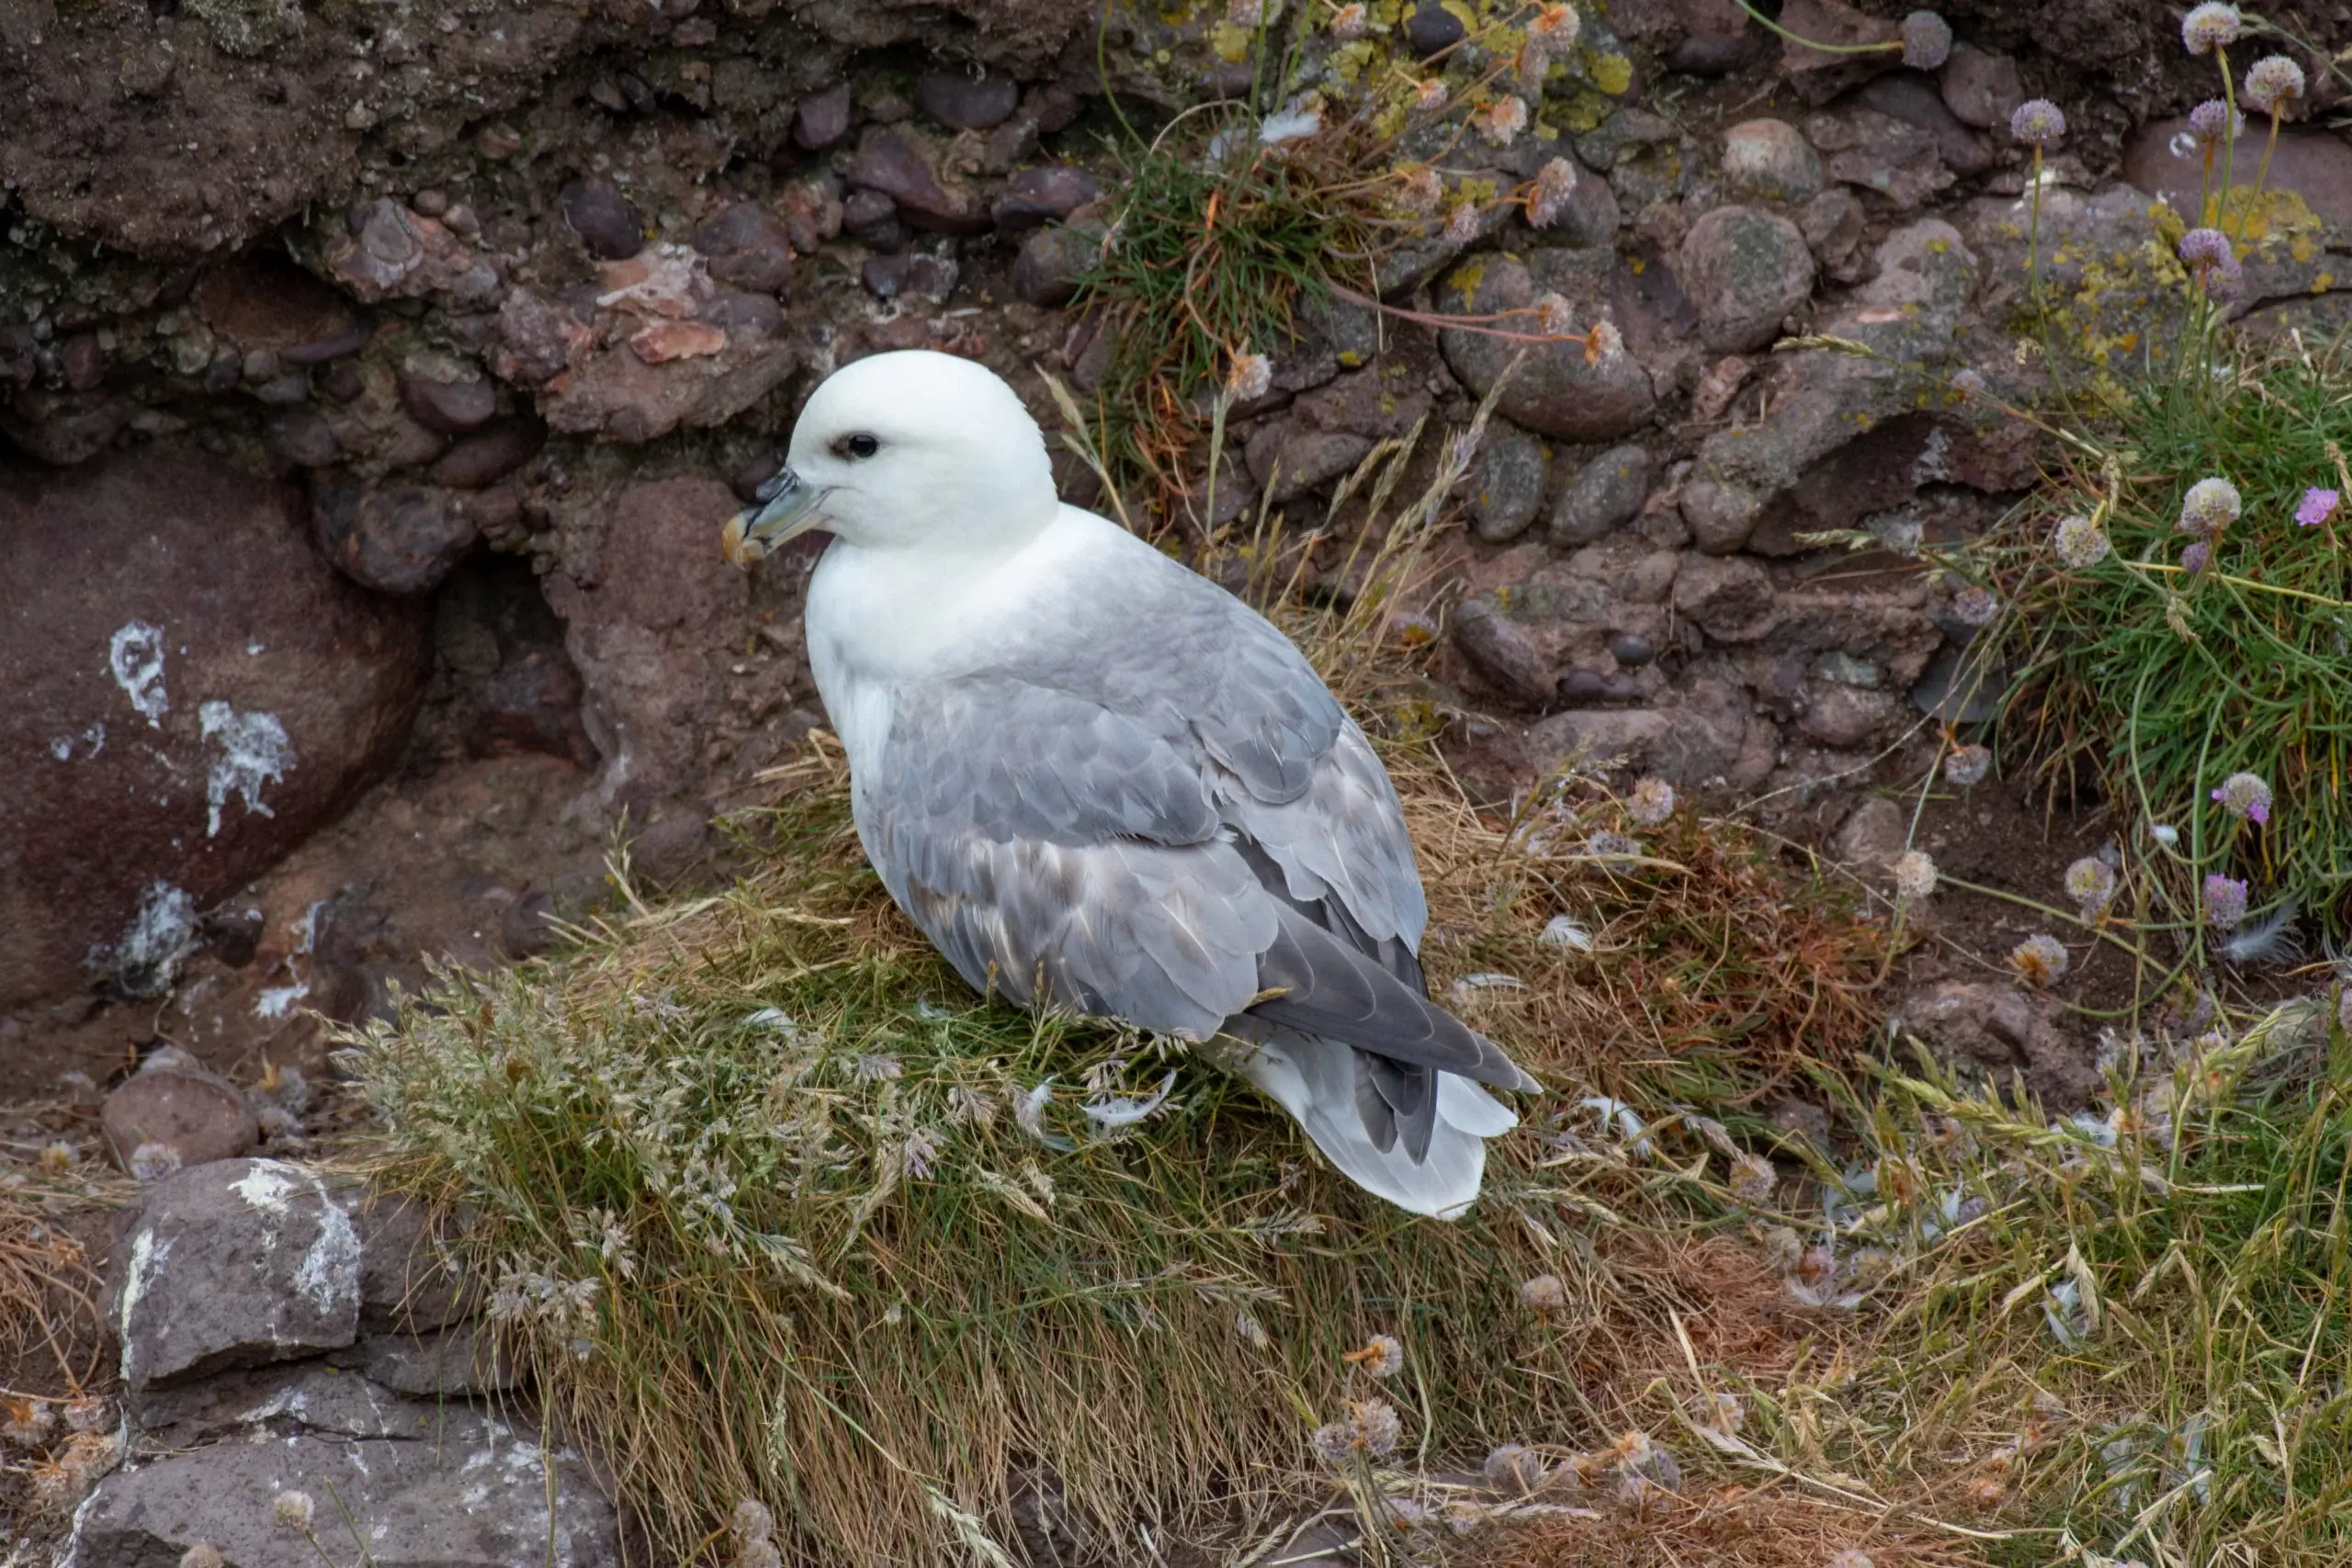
910, 450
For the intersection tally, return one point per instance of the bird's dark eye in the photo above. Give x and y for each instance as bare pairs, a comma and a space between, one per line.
855, 447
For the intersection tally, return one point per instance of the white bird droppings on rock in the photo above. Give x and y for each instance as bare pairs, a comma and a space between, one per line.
255, 751
135, 656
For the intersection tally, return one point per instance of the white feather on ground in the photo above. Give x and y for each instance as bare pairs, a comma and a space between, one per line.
1098, 781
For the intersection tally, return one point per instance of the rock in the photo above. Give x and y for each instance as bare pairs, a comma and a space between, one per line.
1718, 385
907, 167
746, 248
395, 253
1506, 484
532, 703
967, 102
1909, 98
2000, 1029
659, 343
1770, 160
1590, 215
813, 213
234, 1264
1833, 224
193, 693
538, 339
1499, 650
607, 223
1846, 716
173, 1102
1052, 260
1288, 461
461, 1362
1047, 195
1745, 270
1430, 28
1873, 835
822, 119
664, 377
1698, 735
1606, 494
1980, 87
1818, 76
263, 303
65, 428
1729, 598
1555, 391
1907, 316
641, 615
304, 438
489, 453
448, 407
872, 219
403, 539
2314, 164
457, 1490
407, 1284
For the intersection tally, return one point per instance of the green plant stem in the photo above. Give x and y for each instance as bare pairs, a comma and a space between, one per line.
2099, 932
1893, 46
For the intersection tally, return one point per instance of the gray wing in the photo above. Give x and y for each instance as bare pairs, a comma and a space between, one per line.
1165, 832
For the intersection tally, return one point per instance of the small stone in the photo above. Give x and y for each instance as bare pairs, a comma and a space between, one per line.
1632, 649
965, 102
905, 166
754, 472
1605, 494
746, 248
303, 438
498, 141
260, 364
430, 201
1846, 716
1501, 651
872, 219
1769, 159
813, 214
1833, 224
401, 539
1506, 484
82, 362
1289, 461
1036, 196
1871, 835
1053, 260
1980, 87
664, 340
342, 381
1432, 27
908, 273
607, 223
196, 1114
1745, 270
822, 119
532, 704
448, 408
489, 453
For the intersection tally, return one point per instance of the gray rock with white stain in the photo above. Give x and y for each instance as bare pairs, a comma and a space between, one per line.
237, 1263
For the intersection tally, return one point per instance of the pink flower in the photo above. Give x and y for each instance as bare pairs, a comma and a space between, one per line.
2318, 506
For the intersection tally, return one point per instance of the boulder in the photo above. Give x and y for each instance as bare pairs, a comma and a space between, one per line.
194, 693
1606, 494
1994, 1026
173, 1102
237, 1263
1745, 270
1554, 390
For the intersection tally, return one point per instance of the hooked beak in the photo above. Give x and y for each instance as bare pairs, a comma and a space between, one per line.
790, 506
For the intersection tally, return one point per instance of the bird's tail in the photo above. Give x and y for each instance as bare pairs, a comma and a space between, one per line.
1315, 1080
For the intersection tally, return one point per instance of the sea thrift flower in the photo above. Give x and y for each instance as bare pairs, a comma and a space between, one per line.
1501, 121
2080, 543
2226, 283
2209, 506
1348, 23
1606, 845
1554, 183
1556, 25
58, 1154
2090, 882
2038, 122
752, 1522
1383, 1356
1651, 802
2213, 123
153, 1162
2272, 82
2224, 901
1544, 1292
1421, 190
1430, 96
1926, 41
2196, 558
1462, 224
1849, 1558
1915, 875
1514, 1467
1250, 377
1369, 1427
2244, 796
1968, 765
2209, 28
2205, 247
293, 1510
1252, 13
1603, 345
2318, 506
1554, 315
1976, 606
2039, 960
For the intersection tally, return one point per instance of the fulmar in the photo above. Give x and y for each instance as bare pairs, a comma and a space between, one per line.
1100, 782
